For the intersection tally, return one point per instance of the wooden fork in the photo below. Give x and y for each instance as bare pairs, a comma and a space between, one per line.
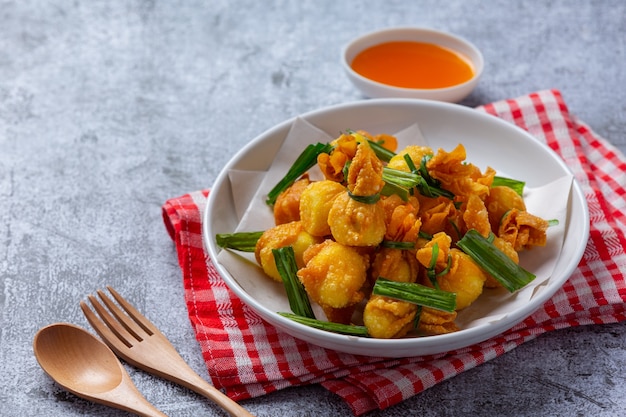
136, 340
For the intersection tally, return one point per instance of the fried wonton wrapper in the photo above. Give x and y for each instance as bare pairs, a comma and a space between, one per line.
463, 276
403, 225
287, 234
523, 230
433, 322
334, 277
287, 205
500, 200
352, 222
436, 214
475, 216
461, 178
332, 164
386, 318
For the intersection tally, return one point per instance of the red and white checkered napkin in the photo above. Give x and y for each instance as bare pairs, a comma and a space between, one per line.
247, 357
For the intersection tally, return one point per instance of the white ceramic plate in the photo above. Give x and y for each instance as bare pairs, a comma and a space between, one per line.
489, 141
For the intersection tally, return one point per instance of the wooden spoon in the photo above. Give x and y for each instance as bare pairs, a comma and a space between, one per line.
85, 366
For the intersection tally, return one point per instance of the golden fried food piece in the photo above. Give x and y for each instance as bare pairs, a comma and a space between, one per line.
287, 234
365, 176
334, 275
507, 249
425, 254
386, 318
463, 276
414, 151
433, 322
436, 214
356, 224
387, 141
394, 264
459, 177
403, 225
353, 222
331, 165
465, 279
523, 230
500, 200
315, 203
287, 205
401, 218
475, 216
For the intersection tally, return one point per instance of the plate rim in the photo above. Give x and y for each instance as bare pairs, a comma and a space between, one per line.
380, 347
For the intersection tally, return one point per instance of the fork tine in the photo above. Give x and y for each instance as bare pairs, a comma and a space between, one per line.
119, 325
129, 325
132, 312
112, 339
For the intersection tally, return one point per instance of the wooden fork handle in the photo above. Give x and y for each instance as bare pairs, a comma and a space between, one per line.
202, 387
175, 369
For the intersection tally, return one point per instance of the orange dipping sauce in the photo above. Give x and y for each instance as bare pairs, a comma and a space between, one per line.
410, 64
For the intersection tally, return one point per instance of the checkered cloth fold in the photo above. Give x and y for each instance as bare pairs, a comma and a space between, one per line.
247, 357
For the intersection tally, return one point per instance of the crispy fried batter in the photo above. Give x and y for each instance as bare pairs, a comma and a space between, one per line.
287, 234
457, 176
523, 230
287, 205
386, 318
352, 222
334, 275
315, 203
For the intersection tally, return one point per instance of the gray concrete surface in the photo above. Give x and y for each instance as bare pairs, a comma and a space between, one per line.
108, 108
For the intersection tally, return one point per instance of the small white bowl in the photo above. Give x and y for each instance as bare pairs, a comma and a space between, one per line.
376, 89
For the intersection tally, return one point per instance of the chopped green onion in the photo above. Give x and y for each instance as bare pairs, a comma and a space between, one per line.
409, 162
381, 152
365, 199
241, 241
416, 294
515, 185
397, 245
401, 178
429, 186
327, 325
430, 271
417, 178
494, 261
553, 222
418, 316
306, 160
285, 260
425, 235
391, 189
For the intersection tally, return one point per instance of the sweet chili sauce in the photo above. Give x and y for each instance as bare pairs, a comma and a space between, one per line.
411, 64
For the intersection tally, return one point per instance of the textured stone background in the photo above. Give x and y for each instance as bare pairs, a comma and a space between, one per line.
107, 109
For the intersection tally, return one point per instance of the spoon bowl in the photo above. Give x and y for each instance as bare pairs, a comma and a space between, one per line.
86, 367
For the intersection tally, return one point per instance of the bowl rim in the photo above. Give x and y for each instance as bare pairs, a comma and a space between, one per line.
362, 345
478, 64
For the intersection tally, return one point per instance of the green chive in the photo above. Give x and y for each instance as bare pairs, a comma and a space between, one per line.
416, 294
494, 261
304, 162
285, 260
327, 325
381, 152
397, 245
241, 241
365, 199
515, 185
